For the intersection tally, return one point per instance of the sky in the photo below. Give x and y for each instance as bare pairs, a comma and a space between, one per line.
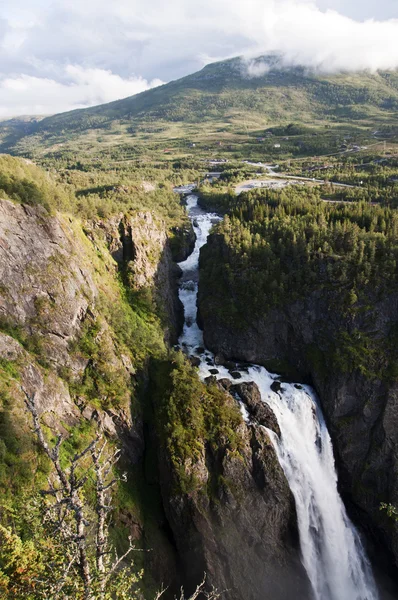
58, 55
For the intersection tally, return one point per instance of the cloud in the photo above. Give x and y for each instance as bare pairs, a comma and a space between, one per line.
363, 9
138, 41
326, 40
255, 68
26, 94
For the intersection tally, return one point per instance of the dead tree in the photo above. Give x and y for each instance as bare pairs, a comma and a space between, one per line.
84, 530
200, 592
71, 517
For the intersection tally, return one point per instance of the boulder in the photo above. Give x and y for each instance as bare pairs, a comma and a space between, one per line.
257, 408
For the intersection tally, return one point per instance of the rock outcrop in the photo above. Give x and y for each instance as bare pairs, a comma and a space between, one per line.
238, 524
46, 286
258, 410
143, 253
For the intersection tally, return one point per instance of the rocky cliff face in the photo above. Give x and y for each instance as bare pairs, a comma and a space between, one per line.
140, 246
69, 336
49, 289
238, 524
46, 288
360, 405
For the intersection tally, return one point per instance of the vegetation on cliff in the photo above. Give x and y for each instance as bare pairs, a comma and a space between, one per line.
79, 335
275, 248
190, 418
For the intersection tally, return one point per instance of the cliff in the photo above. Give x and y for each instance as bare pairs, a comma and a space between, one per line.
347, 353
145, 257
83, 308
225, 495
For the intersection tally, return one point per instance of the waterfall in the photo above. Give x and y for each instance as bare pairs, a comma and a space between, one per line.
331, 550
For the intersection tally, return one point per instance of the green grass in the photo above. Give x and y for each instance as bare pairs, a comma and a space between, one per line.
218, 109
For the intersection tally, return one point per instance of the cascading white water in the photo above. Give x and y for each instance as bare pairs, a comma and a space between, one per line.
332, 552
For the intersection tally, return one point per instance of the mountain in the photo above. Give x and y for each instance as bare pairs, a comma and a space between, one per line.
223, 95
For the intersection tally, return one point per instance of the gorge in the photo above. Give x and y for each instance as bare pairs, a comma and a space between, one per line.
239, 352
331, 549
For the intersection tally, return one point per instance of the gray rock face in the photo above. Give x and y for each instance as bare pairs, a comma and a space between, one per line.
51, 394
239, 526
258, 410
45, 286
47, 291
139, 245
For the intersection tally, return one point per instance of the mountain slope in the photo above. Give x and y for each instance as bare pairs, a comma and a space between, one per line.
224, 93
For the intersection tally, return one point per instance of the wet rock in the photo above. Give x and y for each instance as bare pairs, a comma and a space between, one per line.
258, 410
209, 362
235, 374
225, 383
219, 359
276, 386
195, 361
200, 350
231, 366
214, 371
188, 285
298, 386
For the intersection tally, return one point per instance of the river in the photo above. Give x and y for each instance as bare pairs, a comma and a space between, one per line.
331, 550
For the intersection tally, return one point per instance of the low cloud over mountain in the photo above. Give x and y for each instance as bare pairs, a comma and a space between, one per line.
67, 54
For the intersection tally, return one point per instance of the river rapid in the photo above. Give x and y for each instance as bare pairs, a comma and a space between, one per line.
331, 550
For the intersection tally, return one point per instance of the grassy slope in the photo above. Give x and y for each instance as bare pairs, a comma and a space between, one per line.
216, 100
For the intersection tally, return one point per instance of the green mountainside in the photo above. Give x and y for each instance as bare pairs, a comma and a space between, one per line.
218, 100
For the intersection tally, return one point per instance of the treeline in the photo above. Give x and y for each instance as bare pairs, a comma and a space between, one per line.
277, 246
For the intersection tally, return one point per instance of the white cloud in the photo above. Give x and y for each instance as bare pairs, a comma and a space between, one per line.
327, 40
166, 40
26, 94
256, 68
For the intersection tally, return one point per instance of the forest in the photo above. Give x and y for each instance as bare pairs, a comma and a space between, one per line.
274, 248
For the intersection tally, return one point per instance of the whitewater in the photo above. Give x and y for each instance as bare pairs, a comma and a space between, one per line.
331, 550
